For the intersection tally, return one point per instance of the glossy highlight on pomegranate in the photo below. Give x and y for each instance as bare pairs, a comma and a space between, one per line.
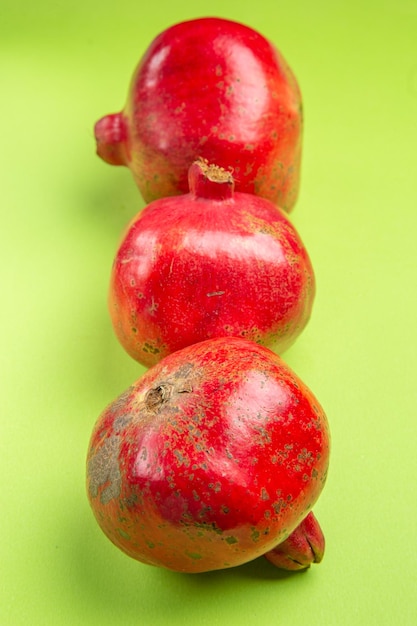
216, 89
214, 457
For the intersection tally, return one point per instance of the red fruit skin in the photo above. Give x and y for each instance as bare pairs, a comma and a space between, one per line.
216, 89
304, 546
212, 458
191, 268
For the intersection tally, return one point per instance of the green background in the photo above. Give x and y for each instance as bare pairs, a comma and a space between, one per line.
62, 212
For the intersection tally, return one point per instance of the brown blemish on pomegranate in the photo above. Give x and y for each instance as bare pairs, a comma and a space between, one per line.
103, 467
118, 404
215, 293
150, 349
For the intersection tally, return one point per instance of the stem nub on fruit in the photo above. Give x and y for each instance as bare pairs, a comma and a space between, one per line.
111, 138
210, 181
303, 547
157, 396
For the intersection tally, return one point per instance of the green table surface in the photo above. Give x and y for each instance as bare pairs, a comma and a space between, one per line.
62, 212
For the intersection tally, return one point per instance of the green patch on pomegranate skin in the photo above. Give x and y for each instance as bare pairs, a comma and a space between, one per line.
231, 540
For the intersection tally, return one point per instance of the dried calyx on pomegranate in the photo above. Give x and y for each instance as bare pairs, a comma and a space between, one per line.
214, 88
211, 263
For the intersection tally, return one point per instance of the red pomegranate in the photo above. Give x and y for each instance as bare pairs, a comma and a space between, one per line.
216, 89
214, 457
210, 263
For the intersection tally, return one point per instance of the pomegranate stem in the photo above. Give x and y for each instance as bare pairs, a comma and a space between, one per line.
111, 135
210, 181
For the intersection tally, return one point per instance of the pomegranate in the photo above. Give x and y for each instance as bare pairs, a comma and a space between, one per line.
216, 89
211, 263
211, 459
